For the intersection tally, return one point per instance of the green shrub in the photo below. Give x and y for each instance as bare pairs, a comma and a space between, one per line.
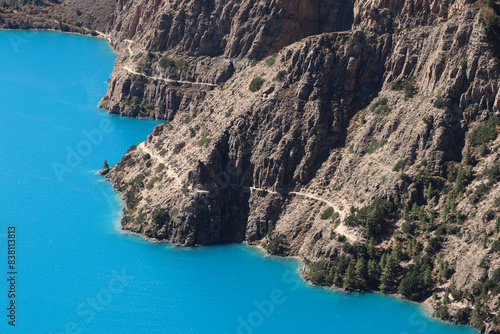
205, 139
151, 183
463, 61
397, 85
271, 60
442, 312
166, 62
280, 76
489, 215
229, 112
483, 150
375, 145
485, 263
408, 86
178, 148
256, 84
373, 217
262, 193
495, 247
181, 63
160, 216
277, 245
400, 165
439, 103
132, 148
327, 213
380, 106
131, 162
382, 110
492, 173
481, 190
434, 245
485, 132
146, 156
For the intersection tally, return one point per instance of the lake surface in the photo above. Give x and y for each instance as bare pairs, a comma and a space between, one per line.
78, 273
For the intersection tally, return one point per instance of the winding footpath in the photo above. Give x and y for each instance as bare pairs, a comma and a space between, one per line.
131, 71
340, 229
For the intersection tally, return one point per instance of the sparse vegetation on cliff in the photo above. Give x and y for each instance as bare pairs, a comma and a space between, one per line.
398, 123
256, 84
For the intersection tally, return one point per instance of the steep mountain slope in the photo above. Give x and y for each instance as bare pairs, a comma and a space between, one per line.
359, 135
368, 150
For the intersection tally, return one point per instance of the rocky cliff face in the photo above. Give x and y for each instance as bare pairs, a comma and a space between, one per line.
197, 32
361, 136
237, 28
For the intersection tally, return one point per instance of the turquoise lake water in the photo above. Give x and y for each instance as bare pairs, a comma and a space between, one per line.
78, 273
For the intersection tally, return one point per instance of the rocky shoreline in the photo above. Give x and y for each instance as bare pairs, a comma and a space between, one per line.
228, 164
359, 136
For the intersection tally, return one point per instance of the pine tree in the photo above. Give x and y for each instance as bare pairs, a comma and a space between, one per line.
430, 191
414, 208
373, 270
460, 180
479, 314
348, 278
370, 248
337, 280
428, 277
384, 282
483, 150
396, 252
392, 267
470, 173
361, 271
388, 274
405, 212
105, 166
467, 156
446, 298
383, 260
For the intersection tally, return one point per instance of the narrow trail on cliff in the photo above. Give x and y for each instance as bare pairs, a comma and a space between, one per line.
297, 193
169, 171
131, 71
340, 229
128, 69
